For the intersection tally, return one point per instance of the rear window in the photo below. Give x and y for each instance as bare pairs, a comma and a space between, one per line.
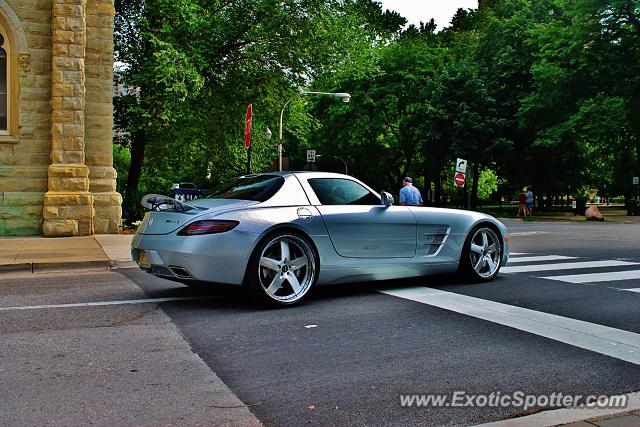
256, 188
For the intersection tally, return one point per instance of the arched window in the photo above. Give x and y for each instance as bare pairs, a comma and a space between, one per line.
4, 85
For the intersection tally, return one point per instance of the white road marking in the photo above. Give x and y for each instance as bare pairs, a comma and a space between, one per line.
565, 266
637, 290
518, 253
597, 277
540, 258
623, 345
101, 303
526, 233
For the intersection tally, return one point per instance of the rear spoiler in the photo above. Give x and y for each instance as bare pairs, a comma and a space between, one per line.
158, 202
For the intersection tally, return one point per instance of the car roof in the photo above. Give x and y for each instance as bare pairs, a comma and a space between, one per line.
314, 173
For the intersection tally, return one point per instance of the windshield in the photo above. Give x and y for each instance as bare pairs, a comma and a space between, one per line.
256, 188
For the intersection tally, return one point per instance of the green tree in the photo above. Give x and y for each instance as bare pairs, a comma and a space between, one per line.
197, 64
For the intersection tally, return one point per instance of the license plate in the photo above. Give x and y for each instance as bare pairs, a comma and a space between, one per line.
142, 259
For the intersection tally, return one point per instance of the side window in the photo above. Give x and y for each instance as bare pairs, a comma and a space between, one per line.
337, 191
4, 85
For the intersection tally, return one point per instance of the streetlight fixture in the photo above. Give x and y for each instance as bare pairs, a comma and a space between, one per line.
344, 97
346, 170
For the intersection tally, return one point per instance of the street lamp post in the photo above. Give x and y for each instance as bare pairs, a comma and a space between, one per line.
344, 97
346, 170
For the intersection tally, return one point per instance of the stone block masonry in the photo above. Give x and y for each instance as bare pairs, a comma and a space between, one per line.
99, 117
56, 173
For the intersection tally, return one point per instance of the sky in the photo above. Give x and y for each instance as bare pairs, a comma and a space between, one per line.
423, 10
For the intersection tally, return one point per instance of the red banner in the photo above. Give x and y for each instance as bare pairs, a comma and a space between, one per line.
247, 127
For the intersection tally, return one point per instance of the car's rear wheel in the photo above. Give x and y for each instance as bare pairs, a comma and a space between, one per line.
282, 270
482, 254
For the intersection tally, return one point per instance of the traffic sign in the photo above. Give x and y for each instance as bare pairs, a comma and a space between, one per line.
311, 156
461, 165
247, 127
459, 179
636, 180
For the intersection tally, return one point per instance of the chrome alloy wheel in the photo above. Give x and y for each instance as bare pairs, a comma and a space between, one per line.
485, 253
286, 268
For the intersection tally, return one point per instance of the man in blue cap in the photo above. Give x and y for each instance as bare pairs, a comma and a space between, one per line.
409, 195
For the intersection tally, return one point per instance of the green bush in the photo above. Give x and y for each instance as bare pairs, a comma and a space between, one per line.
132, 210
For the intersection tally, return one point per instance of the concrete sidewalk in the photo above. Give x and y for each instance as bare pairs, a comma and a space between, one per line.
40, 253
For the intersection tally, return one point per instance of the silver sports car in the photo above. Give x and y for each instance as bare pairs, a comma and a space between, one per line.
282, 233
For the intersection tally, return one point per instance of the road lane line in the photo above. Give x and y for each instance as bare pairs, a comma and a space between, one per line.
637, 290
101, 303
623, 345
540, 258
565, 266
527, 233
597, 277
518, 253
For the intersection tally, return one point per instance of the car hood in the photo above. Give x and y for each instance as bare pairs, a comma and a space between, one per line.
165, 222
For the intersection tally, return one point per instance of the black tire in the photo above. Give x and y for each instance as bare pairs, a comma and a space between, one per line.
480, 261
280, 277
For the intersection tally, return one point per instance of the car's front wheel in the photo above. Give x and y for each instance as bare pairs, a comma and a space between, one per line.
282, 270
482, 254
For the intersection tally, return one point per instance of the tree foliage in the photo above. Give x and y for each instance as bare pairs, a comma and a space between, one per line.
542, 93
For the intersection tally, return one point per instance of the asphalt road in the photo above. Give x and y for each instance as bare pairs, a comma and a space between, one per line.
346, 355
368, 347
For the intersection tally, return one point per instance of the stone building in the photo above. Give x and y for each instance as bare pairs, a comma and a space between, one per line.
56, 118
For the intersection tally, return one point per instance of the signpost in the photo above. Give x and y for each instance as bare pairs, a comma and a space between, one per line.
460, 176
311, 156
247, 135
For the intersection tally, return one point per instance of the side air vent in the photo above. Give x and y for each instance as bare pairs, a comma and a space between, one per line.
433, 237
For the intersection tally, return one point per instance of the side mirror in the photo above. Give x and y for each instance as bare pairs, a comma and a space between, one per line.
386, 199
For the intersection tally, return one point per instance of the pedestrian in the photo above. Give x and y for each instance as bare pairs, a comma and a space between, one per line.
409, 195
522, 199
529, 200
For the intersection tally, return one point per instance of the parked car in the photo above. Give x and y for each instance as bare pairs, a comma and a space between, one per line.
282, 233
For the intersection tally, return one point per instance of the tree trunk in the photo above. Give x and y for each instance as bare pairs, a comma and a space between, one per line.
474, 188
438, 191
138, 145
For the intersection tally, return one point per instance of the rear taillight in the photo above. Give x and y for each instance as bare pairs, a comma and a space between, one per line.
208, 226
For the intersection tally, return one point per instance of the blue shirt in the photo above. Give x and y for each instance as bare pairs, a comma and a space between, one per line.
410, 195
529, 197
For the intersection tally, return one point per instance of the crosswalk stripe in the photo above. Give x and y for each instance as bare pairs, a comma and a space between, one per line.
539, 258
623, 345
597, 277
565, 266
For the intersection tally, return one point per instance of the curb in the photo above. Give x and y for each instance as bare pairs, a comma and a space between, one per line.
115, 264
56, 266
41, 267
13, 268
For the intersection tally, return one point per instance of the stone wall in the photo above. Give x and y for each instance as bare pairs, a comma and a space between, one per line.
60, 139
99, 116
24, 154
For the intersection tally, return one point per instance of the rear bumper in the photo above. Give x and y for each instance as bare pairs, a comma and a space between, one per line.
218, 258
